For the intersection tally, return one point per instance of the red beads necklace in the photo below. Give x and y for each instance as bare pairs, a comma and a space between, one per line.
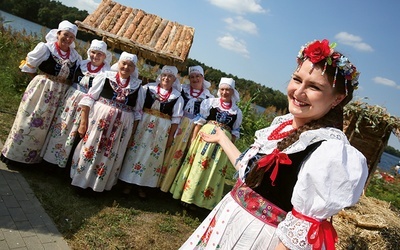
277, 133
117, 77
195, 94
60, 53
89, 68
224, 105
163, 97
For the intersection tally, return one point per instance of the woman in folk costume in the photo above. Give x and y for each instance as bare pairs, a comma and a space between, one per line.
299, 172
63, 136
110, 113
200, 180
193, 94
163, 109
56, 60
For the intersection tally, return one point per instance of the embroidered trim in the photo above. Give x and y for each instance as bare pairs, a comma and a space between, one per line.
257, 205
156, 113
115, 104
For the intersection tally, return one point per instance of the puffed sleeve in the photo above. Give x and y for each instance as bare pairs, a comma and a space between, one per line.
95, 91
34, 58
177, 112
205, 107
332, 178
138, 109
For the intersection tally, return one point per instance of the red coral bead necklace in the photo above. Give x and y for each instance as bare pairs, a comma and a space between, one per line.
118, 79
225, 105
195, 94
163, 97
60, 53
93, 71
277, 133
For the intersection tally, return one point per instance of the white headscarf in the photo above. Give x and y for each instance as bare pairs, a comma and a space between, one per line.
125, 56
51, 37
172, 70
231, 83
199, 70
100, 46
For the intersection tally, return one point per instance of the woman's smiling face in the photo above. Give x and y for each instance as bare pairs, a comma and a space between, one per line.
310, 94
65, 39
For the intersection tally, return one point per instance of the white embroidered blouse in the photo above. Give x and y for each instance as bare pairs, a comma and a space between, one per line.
330, 179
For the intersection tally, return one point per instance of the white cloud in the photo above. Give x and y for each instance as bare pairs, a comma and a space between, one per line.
239, 6
385, 81
231, 43
353, 41
242, 24
88, 5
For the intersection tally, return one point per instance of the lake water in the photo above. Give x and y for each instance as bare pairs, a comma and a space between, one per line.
387, 161
21, 24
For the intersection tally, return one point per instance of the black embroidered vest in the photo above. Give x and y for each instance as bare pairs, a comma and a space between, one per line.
165, 107
221, 116
197, 103
109, 93
51, 67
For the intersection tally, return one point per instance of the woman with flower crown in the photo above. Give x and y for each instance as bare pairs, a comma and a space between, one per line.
63, 136
201, 178
110, 113
299, 171
57, 60
193, 94
163, 110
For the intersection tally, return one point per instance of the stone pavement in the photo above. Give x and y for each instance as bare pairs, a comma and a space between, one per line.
24, 224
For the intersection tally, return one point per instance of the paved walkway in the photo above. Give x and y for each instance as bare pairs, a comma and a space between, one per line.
24, 224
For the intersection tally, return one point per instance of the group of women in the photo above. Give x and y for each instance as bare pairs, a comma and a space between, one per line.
103, 124
299, 171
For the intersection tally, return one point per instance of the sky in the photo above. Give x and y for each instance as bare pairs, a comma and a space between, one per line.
259, 40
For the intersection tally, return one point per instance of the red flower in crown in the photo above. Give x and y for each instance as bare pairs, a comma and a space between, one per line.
317, 51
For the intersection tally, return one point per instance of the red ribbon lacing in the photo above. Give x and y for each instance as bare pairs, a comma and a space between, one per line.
276, 157
321, 232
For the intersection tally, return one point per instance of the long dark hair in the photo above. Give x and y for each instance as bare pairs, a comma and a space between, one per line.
334, 118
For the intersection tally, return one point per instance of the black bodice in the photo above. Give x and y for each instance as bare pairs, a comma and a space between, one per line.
51, 67
165, 107
221, 116
108, 92
281, 193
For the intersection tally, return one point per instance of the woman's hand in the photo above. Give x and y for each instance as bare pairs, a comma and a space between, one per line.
169, 141
82, 130
214, 138
83, 125
280, 246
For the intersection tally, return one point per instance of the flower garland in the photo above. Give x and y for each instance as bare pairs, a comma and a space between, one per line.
317, 51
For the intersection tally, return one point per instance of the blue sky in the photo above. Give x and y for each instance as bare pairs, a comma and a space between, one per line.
259, 40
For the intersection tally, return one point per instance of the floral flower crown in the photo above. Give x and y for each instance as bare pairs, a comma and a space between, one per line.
317, 51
